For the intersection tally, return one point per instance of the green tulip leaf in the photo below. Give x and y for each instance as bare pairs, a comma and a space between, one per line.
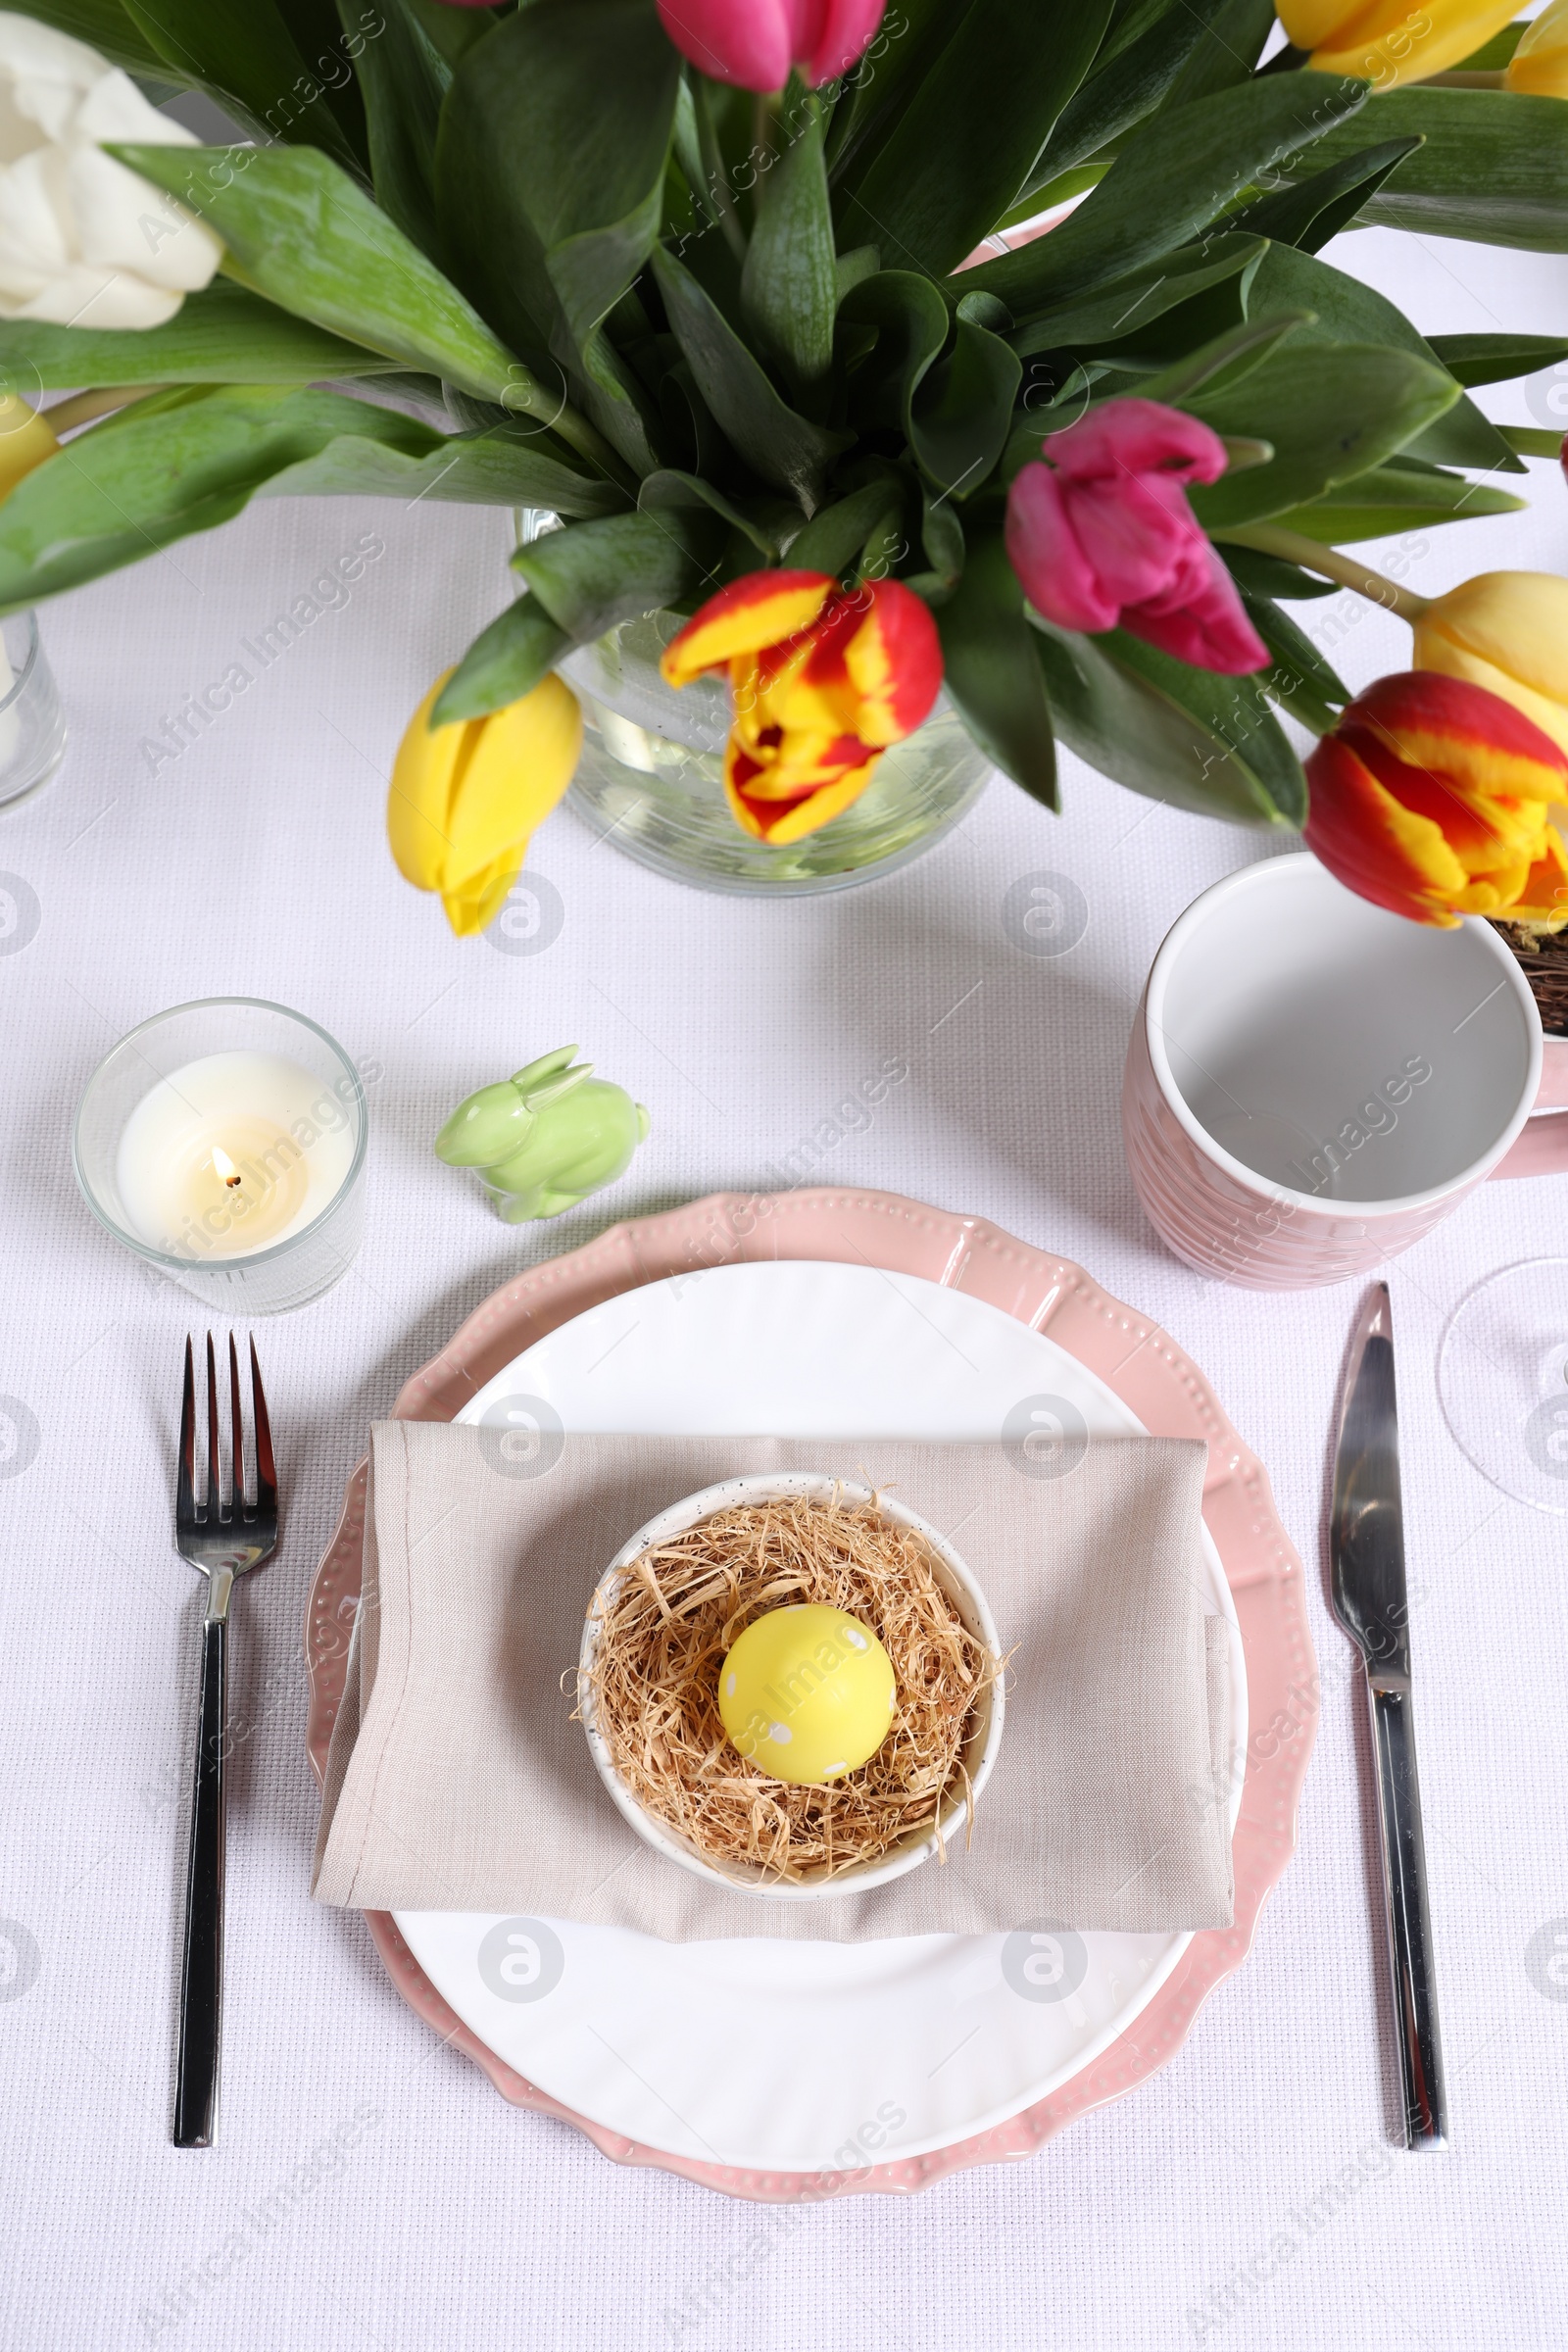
941, 543
223, 334
505, 661
1224, 53
1117, 310
833, 539
403, 80
617, 402
1170, 179
863, 262
961, 415
1347, 312
246, 57
1183, 736
1493, 167
1391, 499
991, 669
510, 465
1300, 680
912, 324
780, 446
875, 96
552, 157
453, 30
1219, 365
1270, 576
1498, 359
789, 286
1199, 318
1314, 210
172, 464
1128, 83
955, 411
594, 575
958, 154
764, 523
303, 233
105, 26
1330, 409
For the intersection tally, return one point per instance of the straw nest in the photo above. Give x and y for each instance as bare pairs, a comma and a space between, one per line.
673, 1616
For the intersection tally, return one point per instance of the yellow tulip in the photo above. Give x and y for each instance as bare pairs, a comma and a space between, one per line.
467, 798
1390, 42
1540, 64
25, 440
1507, 631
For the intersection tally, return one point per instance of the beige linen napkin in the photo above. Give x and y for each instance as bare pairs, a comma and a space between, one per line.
458, 1780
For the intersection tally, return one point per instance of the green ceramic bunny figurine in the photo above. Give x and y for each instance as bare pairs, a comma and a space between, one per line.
545, 1138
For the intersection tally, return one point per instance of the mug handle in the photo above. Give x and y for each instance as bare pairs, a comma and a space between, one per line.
1541, 1145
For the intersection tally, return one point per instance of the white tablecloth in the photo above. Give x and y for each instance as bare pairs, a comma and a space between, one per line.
372, 2189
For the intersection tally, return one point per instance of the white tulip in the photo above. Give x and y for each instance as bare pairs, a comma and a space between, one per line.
83, 242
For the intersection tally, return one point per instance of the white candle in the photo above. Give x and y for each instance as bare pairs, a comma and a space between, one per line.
232, 1154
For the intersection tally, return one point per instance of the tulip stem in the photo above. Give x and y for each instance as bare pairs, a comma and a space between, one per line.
1331, 563
1466, 82
1532, 440
82, 406
525, 395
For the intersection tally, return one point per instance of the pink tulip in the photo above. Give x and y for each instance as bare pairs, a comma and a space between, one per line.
755, 42
1102, 536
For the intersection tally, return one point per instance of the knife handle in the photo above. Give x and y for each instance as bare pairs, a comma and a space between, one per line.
1405, 1886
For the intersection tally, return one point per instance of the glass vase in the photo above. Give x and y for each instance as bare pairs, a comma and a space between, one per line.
651, 779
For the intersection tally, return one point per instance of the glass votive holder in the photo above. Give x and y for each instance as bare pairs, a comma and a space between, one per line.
33, 724
223, 1142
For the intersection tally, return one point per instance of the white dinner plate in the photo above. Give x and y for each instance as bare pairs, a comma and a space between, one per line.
798, 2056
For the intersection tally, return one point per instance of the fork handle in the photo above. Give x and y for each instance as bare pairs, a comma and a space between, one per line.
201, 1997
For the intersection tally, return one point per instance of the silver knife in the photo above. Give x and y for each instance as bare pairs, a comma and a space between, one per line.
1366, 1539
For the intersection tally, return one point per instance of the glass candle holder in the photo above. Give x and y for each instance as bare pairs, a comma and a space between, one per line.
33, 724
223, 1142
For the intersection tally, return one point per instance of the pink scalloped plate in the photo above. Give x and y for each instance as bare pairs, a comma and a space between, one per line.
1135, 1359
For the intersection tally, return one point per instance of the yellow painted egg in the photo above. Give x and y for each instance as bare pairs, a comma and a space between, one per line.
807, 1693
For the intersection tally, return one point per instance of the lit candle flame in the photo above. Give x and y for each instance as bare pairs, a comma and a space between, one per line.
225, 1166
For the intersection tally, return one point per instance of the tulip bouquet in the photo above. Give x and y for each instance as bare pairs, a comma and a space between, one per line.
973, 346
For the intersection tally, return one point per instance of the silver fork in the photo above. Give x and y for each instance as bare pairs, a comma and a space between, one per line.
222, 1546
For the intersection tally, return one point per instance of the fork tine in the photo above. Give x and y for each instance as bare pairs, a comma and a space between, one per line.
214, 1484
236, 1431
185, 1485
266, 1473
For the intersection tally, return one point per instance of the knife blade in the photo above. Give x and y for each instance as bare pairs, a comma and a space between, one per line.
1366, 1546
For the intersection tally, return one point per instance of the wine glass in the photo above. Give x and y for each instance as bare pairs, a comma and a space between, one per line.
1502, 1380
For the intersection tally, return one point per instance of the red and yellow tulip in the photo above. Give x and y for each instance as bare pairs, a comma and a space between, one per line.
1433, 797
824, 679
467, 798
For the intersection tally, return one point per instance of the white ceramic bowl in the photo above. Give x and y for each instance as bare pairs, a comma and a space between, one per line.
980, 1748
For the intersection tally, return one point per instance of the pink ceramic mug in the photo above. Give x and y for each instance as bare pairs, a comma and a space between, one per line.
1311, 1083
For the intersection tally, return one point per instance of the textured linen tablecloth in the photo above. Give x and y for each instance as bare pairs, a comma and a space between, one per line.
371, 2193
